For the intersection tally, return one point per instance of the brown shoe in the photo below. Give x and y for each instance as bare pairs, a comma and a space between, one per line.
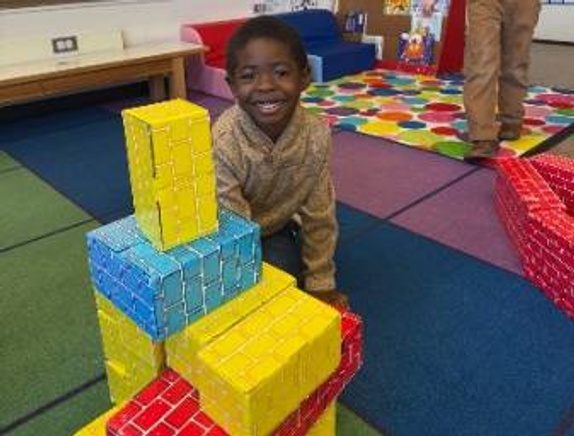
482, 150
509, 132
333, 298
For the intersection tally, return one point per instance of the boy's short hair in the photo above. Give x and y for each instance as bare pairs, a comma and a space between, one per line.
265, 26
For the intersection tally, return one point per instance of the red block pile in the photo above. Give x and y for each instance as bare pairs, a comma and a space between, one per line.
535, 200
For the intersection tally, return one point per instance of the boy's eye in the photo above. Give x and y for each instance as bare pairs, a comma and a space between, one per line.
282, 72
246, 75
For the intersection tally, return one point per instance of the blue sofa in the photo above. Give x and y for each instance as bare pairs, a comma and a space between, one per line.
329, 55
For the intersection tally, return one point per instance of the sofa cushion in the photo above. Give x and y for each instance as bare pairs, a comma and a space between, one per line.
313, 25
216, 35
343, 58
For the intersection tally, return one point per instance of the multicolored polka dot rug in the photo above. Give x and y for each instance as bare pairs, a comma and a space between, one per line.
427, 112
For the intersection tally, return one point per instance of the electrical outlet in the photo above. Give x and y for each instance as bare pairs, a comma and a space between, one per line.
64, 44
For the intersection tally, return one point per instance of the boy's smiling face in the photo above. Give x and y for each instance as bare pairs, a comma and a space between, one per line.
267, 83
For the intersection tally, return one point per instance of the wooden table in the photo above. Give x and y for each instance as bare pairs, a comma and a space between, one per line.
152, 61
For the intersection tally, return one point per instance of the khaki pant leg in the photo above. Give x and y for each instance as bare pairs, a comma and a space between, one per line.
520, 18
481, 67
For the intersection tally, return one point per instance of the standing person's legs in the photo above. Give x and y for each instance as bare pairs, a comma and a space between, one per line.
481, 68
283, 250
520, 18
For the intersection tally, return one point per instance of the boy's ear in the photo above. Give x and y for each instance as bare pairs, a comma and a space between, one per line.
231, 84
306, 79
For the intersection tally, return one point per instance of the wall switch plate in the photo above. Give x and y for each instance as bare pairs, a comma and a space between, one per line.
64, 44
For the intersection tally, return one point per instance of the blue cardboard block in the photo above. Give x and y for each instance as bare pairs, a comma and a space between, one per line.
163, 292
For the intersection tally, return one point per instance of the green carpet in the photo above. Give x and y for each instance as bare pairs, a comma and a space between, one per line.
6, 162
31, 208
69, 416
49, 336
49, 333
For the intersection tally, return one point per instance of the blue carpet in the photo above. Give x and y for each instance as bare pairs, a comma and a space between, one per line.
454, 346
82, 156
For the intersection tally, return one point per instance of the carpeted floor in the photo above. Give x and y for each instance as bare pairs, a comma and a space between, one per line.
426, 112
457, 341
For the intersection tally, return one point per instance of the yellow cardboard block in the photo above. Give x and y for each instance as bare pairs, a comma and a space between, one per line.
132, 359
171, 171
182, 348
98, 426
254, 375
326, 424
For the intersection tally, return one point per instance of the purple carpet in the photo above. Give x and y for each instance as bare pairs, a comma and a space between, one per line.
463, 217
214, 105
370, 173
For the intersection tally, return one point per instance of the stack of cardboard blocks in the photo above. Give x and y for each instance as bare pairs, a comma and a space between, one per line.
535, 200
200, 336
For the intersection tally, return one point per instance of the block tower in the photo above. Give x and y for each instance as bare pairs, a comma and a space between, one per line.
200, 336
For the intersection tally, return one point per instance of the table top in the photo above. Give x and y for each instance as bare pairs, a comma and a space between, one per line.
97, 60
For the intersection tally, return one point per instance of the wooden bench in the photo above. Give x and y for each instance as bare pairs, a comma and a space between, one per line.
152, 61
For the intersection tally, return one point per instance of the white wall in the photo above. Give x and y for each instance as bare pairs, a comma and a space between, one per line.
139, 20
556, 23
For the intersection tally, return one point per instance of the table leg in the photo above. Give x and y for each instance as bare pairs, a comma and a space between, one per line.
177, 80
157, 88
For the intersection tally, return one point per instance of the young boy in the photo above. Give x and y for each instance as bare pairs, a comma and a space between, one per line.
273, 158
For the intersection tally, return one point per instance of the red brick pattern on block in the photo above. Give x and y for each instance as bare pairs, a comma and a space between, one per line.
170, 405
534, 199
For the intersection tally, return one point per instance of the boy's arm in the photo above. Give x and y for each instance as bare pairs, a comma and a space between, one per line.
319, 232
229, 192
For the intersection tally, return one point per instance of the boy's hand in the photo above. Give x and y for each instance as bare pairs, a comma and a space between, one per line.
334, 298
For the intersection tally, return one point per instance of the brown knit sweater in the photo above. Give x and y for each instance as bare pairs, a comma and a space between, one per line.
272, 183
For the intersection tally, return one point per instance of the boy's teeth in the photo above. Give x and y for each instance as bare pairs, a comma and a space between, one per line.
267, 107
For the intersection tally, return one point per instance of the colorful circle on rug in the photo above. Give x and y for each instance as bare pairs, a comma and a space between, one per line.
556, 98
359, 104
352, 86
451, 91
525, 143
442, 107
369, 112
460, 125
559, 119
401, 81
379, 128
536, 89
323, 92
411, 92
414, 125
382, 92
414, 101
394, 116
445, 131
343, 98
552, 129
395, 107
536, 111
326, 103
561, 105
420, 138
433, 83
562, 90
456, 149
533, 122
566, 112
437, 117
341, 111
311, 99
353, 121
535, 102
